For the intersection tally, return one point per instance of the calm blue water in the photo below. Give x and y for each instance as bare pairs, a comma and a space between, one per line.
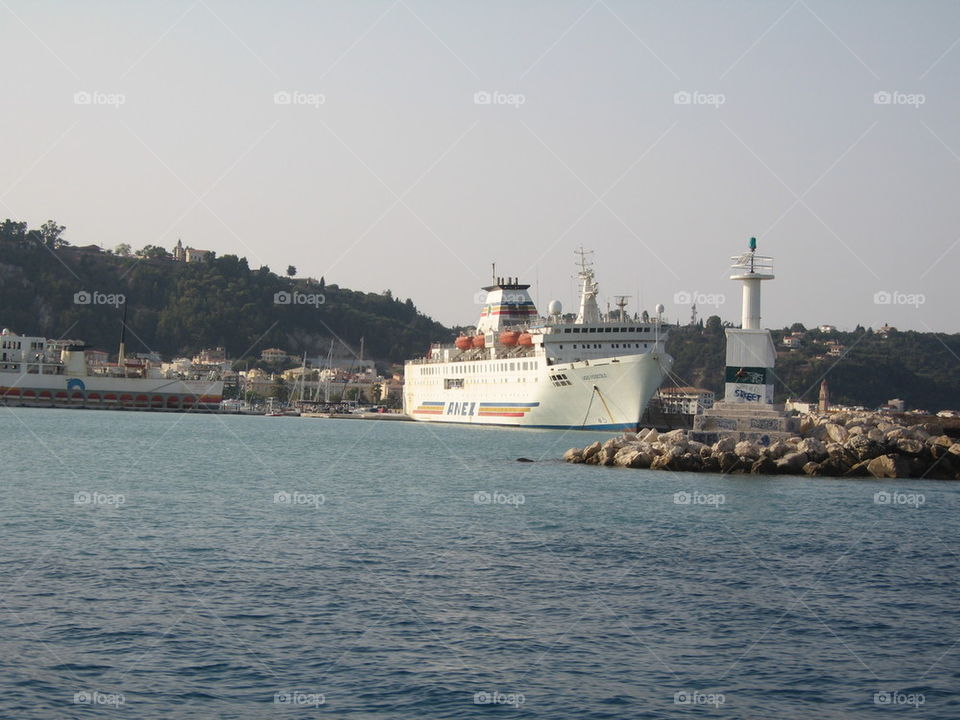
382, 586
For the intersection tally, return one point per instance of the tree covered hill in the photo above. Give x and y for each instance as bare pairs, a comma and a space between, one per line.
177, 308
869, 369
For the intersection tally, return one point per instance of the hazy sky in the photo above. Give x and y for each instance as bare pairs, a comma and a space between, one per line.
383, 170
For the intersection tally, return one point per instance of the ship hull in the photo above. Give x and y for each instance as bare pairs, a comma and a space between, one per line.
600, 394
109, 393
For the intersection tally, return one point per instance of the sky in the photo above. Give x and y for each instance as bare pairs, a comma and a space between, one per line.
409, 144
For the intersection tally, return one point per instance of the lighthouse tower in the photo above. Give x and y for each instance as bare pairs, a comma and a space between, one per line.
751, 354
747, 411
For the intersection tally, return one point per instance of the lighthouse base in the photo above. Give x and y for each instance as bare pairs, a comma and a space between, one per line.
760, 424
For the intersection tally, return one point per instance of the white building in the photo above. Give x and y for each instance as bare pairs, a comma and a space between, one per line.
685, 400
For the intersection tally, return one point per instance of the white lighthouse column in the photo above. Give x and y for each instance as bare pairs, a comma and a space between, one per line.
750, 315
750, 351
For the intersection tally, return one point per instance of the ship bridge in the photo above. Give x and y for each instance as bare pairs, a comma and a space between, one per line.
506, 303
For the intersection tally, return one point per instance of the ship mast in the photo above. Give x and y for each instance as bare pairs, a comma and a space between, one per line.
122, 351
621, 303
589, 312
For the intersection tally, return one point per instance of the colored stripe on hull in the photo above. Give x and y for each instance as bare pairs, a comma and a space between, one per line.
506, 409
631, 427
429, 408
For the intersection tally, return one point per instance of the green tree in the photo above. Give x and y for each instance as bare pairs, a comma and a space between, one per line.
291, 271
151, 252
51, 235
123, 250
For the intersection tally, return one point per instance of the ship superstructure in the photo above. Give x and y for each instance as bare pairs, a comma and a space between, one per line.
590, 371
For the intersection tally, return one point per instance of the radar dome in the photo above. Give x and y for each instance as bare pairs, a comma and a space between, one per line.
555, 307
660, 309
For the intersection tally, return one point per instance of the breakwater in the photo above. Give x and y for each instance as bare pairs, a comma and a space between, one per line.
844, 444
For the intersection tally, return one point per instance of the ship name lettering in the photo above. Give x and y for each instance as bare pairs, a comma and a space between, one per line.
461, 408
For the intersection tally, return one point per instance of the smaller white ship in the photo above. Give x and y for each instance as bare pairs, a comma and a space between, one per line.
36, 372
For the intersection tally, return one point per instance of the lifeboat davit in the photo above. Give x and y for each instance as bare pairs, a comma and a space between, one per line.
525, 339
463, 343
478, 341
509, 338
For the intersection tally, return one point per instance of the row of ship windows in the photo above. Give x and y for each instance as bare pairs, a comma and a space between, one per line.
584, 346
457, 383
560, 380
500, 366
607, 329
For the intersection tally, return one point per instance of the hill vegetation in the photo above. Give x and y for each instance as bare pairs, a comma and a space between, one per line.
177, 308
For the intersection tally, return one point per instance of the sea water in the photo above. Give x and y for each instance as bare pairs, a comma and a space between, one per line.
209, 566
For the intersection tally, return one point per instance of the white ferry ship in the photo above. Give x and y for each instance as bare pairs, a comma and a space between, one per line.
594, 372
37, 372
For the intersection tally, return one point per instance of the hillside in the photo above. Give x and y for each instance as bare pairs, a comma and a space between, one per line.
872, 367
177, 308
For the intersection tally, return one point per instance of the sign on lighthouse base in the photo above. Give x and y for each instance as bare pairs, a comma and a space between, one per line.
751, 357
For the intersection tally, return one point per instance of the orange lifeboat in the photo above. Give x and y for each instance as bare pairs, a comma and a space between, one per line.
525, 339
508, 338
463, 343
478, 341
